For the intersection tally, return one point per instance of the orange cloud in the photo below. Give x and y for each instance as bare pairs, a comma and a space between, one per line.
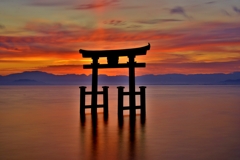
202, 48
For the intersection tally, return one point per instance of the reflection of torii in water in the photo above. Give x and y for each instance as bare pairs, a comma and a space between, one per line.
112, 59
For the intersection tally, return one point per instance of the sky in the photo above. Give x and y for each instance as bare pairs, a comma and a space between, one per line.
186, 36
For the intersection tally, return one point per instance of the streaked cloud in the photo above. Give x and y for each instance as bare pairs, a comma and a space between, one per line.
226, 13
128, 7
58, 33
134, 26
179, 10
46, 38
210, 2
2, 26
64, 69
94, 5
57, 41
156, 21
52, 28
48, 4
114, 22
236, 9
153, 68
189, 67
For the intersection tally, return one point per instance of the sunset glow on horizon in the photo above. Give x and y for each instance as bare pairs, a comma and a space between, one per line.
188, 37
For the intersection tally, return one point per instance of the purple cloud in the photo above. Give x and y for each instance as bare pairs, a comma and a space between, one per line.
210, 2
236, 9
179, 10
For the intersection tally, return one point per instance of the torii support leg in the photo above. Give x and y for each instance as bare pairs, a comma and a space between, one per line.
132, 94
105, 102
94, 87
143, 103
82, 102
120, 103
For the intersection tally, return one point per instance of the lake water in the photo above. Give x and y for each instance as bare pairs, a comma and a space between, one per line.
182, 122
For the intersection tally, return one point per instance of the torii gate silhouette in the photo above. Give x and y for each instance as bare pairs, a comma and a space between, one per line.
112, 62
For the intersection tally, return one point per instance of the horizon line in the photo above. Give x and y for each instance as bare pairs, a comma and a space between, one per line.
123, 75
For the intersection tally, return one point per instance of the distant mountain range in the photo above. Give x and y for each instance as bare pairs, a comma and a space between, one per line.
43, 78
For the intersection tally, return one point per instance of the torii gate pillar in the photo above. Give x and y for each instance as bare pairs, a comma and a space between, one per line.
132, 97
94, 86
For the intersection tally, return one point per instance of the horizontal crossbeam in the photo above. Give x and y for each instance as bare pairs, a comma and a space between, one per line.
128, 93
136, 107
121, 65
98, 106
89, 92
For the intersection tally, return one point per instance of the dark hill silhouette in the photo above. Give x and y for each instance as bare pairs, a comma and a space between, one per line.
232, 81
27, 82
41, 78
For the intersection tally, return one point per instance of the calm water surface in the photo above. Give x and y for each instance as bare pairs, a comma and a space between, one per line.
182, 122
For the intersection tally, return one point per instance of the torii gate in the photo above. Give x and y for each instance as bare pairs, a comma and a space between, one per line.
112, 59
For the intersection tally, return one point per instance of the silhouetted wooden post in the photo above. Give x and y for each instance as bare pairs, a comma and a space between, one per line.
94, 86
105, 101
82, 100
143, 101
120, 102
132, 94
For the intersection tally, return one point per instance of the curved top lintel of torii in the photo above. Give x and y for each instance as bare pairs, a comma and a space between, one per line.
115, 53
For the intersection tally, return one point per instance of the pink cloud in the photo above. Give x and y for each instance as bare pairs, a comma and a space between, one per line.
96, 5
64, 41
